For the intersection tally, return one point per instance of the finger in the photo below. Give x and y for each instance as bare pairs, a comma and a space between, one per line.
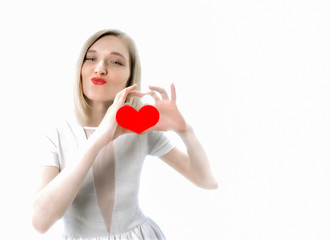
173, 93
135, 94
129, 89
123, 94
153, 95
162, 92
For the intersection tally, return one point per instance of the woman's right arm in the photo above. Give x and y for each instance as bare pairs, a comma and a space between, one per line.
57, 189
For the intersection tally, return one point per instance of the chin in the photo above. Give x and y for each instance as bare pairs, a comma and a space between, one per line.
98, 98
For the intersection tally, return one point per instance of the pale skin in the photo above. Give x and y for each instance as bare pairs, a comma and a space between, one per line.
108, 59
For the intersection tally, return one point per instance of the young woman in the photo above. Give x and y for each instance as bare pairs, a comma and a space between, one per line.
91, 166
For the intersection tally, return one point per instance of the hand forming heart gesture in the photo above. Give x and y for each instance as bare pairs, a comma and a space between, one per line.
170, 116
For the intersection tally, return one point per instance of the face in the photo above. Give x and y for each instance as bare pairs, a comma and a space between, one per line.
105, 70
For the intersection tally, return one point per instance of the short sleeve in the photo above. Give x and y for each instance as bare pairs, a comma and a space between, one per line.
48, 150
158, 144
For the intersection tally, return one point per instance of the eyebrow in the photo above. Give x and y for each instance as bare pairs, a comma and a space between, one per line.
112, 53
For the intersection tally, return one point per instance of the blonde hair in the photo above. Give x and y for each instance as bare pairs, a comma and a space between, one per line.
81, 106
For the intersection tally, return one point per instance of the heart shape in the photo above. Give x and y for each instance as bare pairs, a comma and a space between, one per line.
137, 121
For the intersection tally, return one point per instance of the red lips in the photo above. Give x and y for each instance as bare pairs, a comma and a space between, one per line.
98, 81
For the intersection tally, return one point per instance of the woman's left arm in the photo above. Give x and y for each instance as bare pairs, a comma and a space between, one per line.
193, 164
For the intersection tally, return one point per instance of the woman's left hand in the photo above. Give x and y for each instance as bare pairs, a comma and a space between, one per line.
170, 117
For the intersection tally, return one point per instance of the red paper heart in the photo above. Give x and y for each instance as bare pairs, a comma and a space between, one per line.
137, 121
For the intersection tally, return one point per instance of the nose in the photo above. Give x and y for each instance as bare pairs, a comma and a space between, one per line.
101, 68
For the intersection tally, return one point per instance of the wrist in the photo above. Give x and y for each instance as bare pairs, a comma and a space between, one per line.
98, 142
185, 131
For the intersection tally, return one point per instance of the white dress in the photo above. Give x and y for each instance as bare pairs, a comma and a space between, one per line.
106, 206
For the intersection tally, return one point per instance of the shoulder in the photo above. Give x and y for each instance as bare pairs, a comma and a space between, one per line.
154, 136
60, 127
158, 143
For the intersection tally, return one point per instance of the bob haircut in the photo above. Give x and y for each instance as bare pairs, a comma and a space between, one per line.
81, 107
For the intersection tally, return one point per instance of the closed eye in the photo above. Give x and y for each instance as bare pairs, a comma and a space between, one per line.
90, 59
117, 63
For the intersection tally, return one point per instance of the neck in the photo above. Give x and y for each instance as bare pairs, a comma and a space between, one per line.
96, 112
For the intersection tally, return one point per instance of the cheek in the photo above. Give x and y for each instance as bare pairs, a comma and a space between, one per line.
84, 80
84, 72
127, 75
119, 77
85, 76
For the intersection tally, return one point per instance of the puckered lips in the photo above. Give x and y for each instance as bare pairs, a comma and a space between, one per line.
98, 81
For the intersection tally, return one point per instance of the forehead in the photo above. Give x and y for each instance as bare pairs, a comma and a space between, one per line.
109, 44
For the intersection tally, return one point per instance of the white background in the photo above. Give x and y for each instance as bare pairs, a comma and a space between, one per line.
252, 78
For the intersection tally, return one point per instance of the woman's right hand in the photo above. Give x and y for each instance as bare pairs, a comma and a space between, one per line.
109, 129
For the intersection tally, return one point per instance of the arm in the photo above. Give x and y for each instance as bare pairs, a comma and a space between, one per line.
57, 190
193, 164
